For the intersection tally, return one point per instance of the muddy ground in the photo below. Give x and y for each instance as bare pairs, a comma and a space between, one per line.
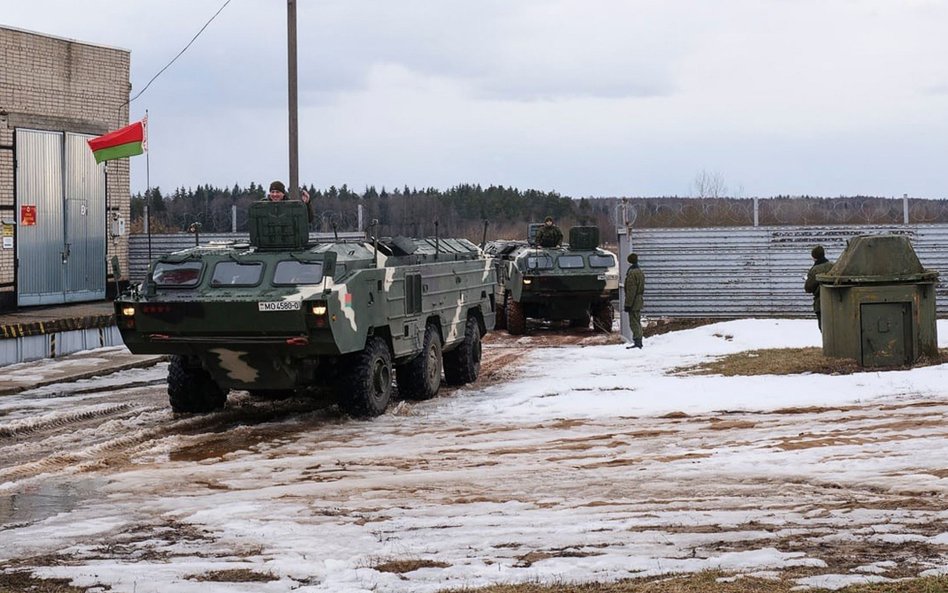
101, 484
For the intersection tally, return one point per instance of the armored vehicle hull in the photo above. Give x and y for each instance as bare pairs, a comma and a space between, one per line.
274, 320
575, 282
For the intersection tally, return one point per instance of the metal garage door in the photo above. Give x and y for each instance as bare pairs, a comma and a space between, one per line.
60, 205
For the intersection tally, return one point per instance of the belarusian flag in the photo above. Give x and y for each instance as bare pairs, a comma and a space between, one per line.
129, 141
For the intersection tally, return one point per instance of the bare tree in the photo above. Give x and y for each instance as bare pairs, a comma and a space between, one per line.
709, 185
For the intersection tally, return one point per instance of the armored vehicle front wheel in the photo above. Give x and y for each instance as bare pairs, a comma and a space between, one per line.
366, 386
516, 319
420, 378
603, 316
463, 364
191, 388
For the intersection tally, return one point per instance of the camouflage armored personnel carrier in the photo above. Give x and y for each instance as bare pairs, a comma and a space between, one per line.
278, 315
571, 282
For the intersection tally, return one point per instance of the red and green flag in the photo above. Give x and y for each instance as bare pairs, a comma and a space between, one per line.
129, 141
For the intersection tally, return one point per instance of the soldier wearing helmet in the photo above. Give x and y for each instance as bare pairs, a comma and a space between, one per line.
634, 291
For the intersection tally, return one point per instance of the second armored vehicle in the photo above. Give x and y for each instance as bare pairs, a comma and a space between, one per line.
279, 315
573, 282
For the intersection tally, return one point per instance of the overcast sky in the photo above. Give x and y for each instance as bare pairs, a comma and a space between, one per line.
584, 97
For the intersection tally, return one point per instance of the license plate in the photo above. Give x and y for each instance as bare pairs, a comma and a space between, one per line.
279, 306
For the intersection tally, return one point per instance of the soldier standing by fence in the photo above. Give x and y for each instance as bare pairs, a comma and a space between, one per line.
634, 291
821, 265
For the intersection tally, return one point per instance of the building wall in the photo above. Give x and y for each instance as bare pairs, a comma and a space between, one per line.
49, 83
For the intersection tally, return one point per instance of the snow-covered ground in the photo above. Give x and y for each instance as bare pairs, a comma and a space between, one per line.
593, 463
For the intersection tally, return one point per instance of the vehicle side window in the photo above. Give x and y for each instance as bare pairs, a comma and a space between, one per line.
539, 262
183, 274
231, 273
567, 262
601, 261
297, 272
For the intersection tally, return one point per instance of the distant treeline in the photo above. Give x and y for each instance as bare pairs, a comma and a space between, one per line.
461, 210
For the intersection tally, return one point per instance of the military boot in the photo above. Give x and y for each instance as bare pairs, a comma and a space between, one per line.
635, 344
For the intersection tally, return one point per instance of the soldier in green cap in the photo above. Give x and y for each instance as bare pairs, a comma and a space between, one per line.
821, 265
278, 194
634, 291
549, 235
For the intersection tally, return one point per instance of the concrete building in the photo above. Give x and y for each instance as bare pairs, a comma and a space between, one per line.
62, 217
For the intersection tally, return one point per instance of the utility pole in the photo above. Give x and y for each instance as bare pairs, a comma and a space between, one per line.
294, 186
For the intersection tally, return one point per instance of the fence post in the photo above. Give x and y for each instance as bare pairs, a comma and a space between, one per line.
905, 216
360, 218
756, 211
233, 218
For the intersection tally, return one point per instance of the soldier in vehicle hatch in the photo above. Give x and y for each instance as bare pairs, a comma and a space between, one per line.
821, 265
277, 193
549, 235
634, 298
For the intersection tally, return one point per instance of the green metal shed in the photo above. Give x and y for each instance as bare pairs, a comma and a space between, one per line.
878, 303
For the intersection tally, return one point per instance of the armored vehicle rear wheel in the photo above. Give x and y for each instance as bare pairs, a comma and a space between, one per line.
463, 364
420, 378
191, 388
516, 320
366, 386
603, 316
500, 317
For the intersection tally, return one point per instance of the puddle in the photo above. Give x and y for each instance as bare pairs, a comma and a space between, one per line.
45, 500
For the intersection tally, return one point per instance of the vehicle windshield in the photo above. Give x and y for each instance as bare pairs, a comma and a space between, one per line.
539, 262
183, 274
231, 273
570, 261
297, 272
602, 261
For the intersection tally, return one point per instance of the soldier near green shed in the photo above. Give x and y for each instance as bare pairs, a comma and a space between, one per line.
549, 235
634, 299
821, 265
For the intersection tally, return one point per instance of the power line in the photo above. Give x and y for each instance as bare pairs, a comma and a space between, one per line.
193, 39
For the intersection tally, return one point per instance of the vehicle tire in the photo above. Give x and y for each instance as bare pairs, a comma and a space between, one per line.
500, 317
463, 364
516, 320
603, 315
420, 378
366, 386
579, 322
191, 389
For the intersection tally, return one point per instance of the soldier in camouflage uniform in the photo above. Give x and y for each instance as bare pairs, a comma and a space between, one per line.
634, 291
549, 235
821, 265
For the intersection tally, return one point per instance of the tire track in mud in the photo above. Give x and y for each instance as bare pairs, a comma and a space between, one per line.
57, 445
24, 427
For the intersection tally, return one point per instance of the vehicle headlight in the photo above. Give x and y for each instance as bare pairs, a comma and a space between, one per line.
319, 309
527, 281
128, 311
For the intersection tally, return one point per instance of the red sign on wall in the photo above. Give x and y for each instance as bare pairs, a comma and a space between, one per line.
28, 215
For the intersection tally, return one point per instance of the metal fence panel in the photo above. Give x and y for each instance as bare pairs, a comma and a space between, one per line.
754, 271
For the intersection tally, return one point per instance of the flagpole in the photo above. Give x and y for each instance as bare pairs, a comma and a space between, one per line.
147, 195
